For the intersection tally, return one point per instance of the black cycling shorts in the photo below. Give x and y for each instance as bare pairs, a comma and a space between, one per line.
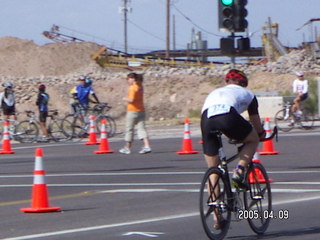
303, 96
231, 124
8, 110
43, 116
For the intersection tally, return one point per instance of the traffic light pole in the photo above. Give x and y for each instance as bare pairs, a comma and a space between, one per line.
232, 56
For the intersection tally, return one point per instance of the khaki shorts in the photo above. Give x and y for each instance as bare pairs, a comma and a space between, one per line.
135, 119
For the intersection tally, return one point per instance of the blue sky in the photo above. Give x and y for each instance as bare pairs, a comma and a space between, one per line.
27, 19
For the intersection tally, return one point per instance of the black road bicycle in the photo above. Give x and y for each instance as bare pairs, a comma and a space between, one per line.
218, 199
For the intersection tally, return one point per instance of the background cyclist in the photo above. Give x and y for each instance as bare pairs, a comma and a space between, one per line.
8, 102
300, 87
83, 91
221, 111
42, 103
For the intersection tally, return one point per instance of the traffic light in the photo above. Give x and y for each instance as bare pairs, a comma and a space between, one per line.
226, 14
227, 45
240, 14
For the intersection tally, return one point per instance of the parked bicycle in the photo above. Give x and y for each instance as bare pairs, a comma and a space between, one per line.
27, 131
218, 199
12, 126
77, 125
286, 120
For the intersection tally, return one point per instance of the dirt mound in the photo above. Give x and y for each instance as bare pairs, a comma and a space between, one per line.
23, 58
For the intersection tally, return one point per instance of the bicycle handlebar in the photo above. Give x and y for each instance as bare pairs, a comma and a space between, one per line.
274, 134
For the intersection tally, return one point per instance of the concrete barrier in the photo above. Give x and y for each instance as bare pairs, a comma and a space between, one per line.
269, 106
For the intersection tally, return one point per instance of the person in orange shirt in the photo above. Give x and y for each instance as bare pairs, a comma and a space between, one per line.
135, 114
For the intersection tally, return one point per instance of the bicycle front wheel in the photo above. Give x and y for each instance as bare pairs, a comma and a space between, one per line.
56, 132
66, 125
257, 199
283, 120
26, 132
215, 211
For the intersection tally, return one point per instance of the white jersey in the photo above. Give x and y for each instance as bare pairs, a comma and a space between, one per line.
9, 100
221, 100
300, 86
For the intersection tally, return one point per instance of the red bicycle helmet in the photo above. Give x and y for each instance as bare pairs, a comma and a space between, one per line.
42, 86
237, 75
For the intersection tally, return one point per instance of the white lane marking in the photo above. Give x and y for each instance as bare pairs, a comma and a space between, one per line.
145, 234
93, 228
142, 173
165, 218
142, 184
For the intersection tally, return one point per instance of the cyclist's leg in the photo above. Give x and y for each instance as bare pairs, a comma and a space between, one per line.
210, 140
250, 146
42, 120
238, 128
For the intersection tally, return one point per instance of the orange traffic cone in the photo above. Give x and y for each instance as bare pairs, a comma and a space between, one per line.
104, 144
267, 146
40, 202
258, 173
6, 145
187, 141
92, 134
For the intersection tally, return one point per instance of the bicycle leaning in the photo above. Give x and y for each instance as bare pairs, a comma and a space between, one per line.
27, 131
76, 125
218, 199
11, 129
286, 120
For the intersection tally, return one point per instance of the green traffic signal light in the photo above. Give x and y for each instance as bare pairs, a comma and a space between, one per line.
227, 2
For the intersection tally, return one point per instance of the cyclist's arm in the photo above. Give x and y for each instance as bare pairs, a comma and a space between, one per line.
256, 122
95, 98
255, 118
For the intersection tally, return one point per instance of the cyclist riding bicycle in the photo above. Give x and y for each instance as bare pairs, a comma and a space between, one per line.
221, 111
300, 87
81, 93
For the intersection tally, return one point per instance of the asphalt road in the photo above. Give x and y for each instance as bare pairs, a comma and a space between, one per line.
114, 196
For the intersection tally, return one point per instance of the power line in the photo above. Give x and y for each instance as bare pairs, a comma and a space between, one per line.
145, 31
192, 22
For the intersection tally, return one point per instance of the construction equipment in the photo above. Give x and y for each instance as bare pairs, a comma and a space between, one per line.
273, 48
56, 36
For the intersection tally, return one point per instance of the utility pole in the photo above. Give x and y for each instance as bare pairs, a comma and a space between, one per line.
174, 32
125, 9
168, 30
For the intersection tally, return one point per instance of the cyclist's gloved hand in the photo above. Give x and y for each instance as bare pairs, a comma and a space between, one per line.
262, 135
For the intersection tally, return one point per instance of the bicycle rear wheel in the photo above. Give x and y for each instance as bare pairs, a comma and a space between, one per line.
307, 121
73, 127
111, 126
80, 128
283, 120
214, 209
257, 199
26, 132
66, 125
56, 132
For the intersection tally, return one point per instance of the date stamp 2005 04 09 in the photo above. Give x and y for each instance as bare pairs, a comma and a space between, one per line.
254, 214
